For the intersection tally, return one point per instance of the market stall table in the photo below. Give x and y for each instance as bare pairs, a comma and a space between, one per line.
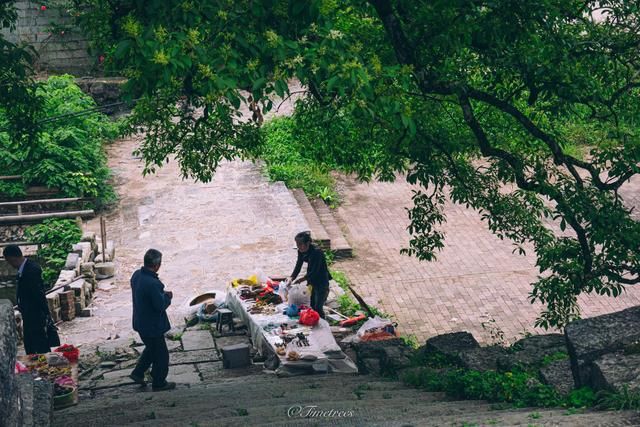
323, 354
38, 367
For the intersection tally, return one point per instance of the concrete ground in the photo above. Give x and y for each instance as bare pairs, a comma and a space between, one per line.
209, 233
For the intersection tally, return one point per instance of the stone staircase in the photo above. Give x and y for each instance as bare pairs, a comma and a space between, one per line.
325, 230
266, 400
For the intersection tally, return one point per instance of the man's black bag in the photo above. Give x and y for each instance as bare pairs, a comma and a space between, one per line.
53, 339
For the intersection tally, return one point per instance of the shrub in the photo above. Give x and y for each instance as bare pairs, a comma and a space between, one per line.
56, 237
67, 153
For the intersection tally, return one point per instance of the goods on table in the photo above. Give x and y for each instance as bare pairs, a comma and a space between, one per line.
309, 317
299, 348
69, 351
57, 369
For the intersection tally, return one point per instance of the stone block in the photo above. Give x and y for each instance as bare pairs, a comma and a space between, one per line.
53, 301
69, 313
449, 345
482, 358
86, 312
105, 270
85, 251
66, 276
72, 262
558, 375
382, 357
9, 397
615, 371
110, 250
532, 350
55, 315
67, 299
78, 307
87, 268
590, 339
77, 285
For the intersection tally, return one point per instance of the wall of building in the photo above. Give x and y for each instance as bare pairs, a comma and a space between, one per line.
60, 49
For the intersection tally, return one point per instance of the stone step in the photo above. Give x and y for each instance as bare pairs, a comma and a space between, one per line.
339, 244
202, 410
318, 232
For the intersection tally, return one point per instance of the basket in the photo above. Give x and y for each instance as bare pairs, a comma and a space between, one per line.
65, 400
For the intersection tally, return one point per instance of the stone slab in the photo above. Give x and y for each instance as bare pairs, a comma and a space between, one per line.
197, 356
197, 340
120, 373
231, 340
183, 374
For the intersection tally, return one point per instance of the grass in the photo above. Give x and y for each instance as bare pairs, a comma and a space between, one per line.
287, 160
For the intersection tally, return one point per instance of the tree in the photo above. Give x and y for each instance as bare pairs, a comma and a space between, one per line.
18, 100
522, 110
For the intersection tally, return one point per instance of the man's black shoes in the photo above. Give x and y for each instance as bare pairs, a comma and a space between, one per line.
138, 380
165, 387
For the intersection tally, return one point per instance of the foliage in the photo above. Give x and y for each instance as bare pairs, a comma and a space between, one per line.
436, 371
518, 387
626, 398
19, 103
56, 237
287, 160
550, 358
67, 153
584, 397
481, 101
410, 340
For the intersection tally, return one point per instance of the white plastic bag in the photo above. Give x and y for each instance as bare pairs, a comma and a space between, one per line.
283, 290
375, 325
299, 295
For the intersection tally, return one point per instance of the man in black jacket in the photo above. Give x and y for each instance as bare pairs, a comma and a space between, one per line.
317, 276
150, 302
31, 301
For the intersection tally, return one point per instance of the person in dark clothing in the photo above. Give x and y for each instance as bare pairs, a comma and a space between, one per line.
317, 276
31, 300
150, 302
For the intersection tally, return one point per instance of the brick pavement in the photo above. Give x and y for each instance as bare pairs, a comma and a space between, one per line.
475, 278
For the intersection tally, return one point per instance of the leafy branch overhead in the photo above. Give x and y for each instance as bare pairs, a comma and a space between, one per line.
525, 111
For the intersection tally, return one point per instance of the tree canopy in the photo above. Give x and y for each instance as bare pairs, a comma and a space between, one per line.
523, 110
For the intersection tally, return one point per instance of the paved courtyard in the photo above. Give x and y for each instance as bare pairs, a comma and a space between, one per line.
209, 234
475, 279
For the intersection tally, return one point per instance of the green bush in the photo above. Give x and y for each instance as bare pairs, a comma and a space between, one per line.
518, 388
67, 153
290, 161
56, 237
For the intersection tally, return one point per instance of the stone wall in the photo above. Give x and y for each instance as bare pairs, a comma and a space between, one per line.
10, 401
59, 51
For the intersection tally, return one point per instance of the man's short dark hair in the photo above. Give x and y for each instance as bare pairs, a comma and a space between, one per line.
152, 258
304, 237
12, 251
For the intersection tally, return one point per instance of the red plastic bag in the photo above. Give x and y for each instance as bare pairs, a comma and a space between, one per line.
69, 351
309, 317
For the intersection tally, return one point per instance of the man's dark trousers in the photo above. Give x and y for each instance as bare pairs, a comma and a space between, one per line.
35, 336
156, 355
319, 296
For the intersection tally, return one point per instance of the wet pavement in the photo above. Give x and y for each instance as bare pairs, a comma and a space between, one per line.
209, 233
